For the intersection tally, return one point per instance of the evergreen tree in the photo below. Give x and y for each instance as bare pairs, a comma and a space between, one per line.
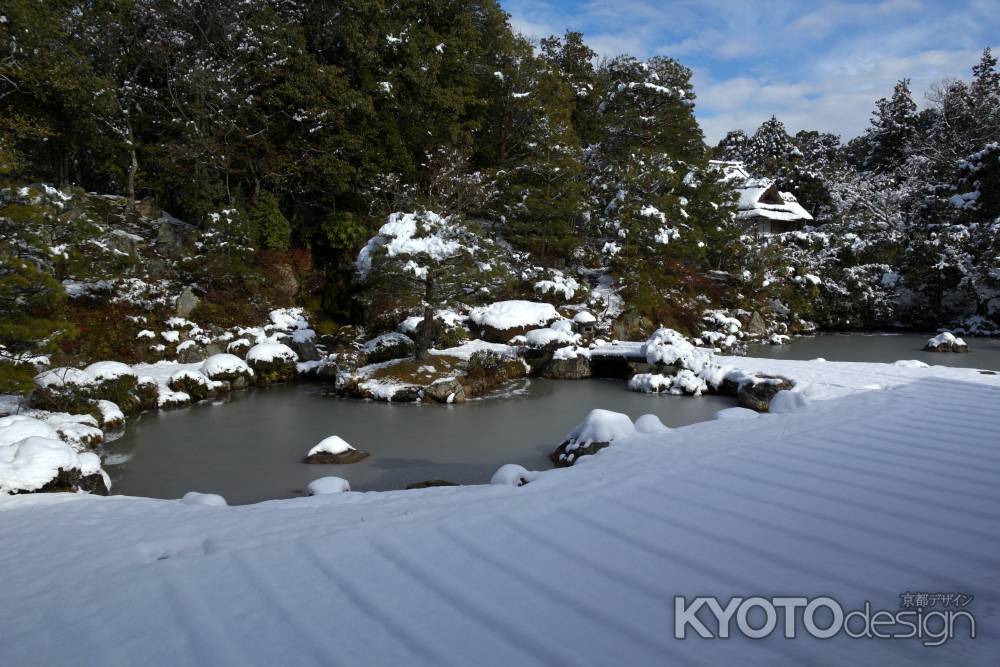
892, 128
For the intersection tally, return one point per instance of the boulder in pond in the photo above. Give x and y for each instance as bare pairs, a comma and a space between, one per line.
445, 390
334, 450
756, 393
946, 342
599, 429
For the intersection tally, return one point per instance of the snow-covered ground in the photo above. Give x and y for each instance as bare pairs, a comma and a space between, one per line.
884, 482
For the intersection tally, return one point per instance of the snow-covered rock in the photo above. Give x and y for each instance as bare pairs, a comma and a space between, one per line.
946, 342
595, 432
328, 485
388, 346
334, 449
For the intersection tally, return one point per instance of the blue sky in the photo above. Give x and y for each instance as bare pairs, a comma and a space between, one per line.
816, 65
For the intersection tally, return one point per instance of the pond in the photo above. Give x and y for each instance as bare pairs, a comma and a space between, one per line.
251, 448
983, 353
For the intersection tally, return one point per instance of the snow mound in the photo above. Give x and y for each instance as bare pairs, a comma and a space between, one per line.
600, 426
64, 377
512, 474
332, 445
267, 352
224, 364
18, 427
910, 363
207, 499
545, 337
650, 424
669, 347
513, 314
584, 317
327, 485
109, 370
111, 414
31, 463
787, 401
289, 319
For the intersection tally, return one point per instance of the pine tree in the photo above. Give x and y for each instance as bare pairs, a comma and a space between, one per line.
892, 128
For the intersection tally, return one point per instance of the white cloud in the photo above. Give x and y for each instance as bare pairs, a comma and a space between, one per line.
819, 68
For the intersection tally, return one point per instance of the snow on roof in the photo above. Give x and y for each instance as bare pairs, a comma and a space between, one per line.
760, 197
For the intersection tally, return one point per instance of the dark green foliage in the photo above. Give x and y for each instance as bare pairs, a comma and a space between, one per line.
269, 227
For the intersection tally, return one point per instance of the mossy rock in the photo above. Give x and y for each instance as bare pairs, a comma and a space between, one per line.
274, 371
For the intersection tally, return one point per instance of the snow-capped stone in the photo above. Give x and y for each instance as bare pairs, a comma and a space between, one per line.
388, 346
584, 317
206, 499
650, 424
946, 342
335, 450
597, 431
328, 485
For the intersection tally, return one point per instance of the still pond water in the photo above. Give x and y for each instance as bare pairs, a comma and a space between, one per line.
252, 448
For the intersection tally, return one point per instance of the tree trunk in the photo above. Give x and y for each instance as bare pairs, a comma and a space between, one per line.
133, 167
426, 328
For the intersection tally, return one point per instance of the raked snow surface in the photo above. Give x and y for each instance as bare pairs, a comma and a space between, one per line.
886, 482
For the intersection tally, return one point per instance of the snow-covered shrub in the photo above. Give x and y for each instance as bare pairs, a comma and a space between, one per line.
32, 460
272, 362
228, 368
192, 383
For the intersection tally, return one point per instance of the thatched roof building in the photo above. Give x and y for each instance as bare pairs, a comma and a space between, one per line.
762, 205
